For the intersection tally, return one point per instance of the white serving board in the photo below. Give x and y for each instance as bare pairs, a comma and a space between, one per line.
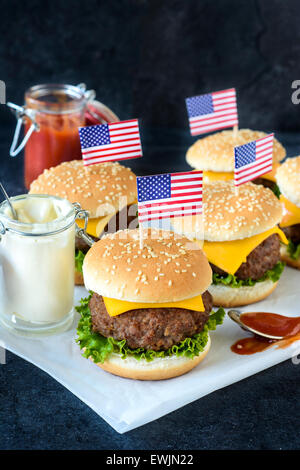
126, 404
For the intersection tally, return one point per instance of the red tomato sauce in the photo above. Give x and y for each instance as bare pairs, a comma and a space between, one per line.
271, 324
55, 142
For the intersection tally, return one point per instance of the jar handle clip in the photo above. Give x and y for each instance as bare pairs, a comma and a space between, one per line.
20, 112
81, 232
89, 95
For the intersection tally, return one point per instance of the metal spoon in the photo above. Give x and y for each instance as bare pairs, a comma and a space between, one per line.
13, 211
235, 316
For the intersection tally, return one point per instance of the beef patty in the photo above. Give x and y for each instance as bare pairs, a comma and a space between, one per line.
81, 245
120, 221
292, 233
266, 183
260, 260
149, 328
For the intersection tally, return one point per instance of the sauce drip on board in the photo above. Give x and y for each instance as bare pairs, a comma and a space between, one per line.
271, 324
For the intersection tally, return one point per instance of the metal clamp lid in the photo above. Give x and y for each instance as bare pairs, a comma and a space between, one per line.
22, 111
81, 232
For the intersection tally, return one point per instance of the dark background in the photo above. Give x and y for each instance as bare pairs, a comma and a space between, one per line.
144, 57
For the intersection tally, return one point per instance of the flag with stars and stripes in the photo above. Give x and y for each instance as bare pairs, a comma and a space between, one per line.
212, 111
169, 195
253, 159
107, 142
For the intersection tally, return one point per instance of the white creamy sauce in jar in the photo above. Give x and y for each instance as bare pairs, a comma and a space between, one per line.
35, 211
36, 267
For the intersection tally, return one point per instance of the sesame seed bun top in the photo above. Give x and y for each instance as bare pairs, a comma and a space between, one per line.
288, 179
231, 213
168, 268
101, 189
216, 152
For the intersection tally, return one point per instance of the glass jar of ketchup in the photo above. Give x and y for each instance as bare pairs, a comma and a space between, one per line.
51, 115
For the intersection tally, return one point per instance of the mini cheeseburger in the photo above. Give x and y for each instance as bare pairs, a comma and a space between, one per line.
105, 190
288, 180
149, 311
241, 241
215, 155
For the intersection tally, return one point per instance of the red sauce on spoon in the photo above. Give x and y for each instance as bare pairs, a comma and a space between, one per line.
271, 324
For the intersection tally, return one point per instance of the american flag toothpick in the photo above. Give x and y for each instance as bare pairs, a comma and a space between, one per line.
212, 111
169, 195
253, 159
108, 142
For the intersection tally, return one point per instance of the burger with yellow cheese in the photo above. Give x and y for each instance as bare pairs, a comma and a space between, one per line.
149, 312
106, 190
215, 156
241, 241
288, 180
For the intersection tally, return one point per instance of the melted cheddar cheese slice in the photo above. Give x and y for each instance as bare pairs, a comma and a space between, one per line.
229, 256
209, 176
115, 307
271, 175
95, 226
291, 214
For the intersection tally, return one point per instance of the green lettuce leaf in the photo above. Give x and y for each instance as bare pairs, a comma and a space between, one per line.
232, 281
276, 190
79, 257
293, 250
99, 348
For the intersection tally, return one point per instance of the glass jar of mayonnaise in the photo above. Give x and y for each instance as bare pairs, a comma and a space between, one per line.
37, 264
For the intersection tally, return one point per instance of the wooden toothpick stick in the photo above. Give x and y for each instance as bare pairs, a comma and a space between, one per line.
235, 131
141, 236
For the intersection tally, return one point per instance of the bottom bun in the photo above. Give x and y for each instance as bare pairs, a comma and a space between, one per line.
284, 254
159, 369
224, 296
78, 279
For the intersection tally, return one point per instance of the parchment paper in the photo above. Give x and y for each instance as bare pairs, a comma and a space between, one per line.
126, 404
